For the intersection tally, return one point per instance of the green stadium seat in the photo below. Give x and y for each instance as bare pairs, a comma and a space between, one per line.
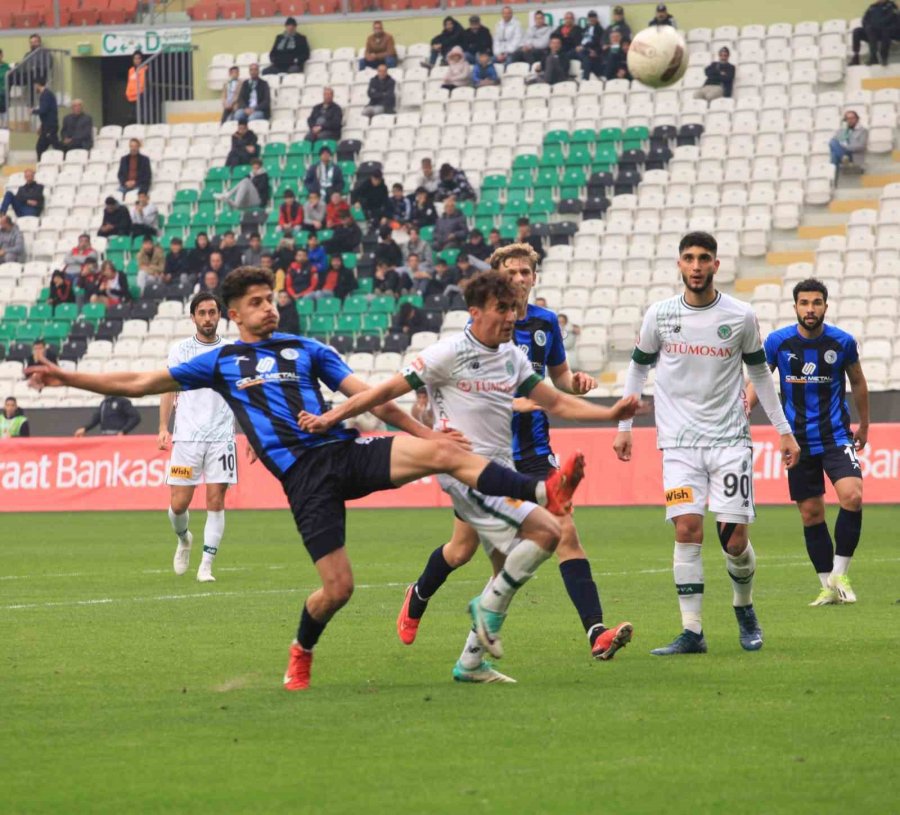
306, 306
579, 156
44, 294
557, 137
328, 305
117, 257
484, 223
515, 209
274, 149
415, 299
349, 323
56, 331
584, 136
426, 233
366, 285
209, 191
7, 333
93, 312
552, 156
136, 243
272, 166
450, 255
118, 243
378, 321
66, 311
219, 174
351, 259
321, 324
495, 181
541, 208
528, 161
605, 157
325, 235
240, 172
516, 194
41, 312
356, 304
382, 304
348, 168
187, 196
639, 134
181, 220
29, 331
573, 177
300, 148
610, 135
493, 195
181, 207
295, 169
331, 144
547, 177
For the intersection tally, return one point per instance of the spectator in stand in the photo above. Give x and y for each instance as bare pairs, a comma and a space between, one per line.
421, 410
422, 212
451, 230
848, 146
300, 276
255, 98
41, 352
407, 320
554, 67
476, 39
48, 113
177, 263
346, 237
288, 319
507, 36
290, 213
569, 33
198, 257
12, 244
116, 416
134, 169
380, 49
428, 179
459, 72
466, 268
266, 262
371, 196
719, 78
536, 41
151, 263
144, 217
112, 284
441, 45
230, 92
399, 208
336, 209
210, 283
475, 247
285, 251
313, 213
230, 251
13, 421
387, 250
569, 335
416, 246
453, 183
244, 146
318, 258
61, 290
252, 255
484, 73
289, 52
216, 265
324, 177
77, 131
614, 64
523, 235
662, 17
326, 119
382, 93
419, 275
386, 280
589, 52
251, 192
337, 280
27, 200
37, 68
618, 24
77, 255
444, 281
494, 241
86, 284
880, 24
136, 84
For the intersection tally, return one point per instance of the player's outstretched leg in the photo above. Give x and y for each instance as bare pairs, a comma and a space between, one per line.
688, 570
847, 531
819, 546
473, 667
740, 560
179, 521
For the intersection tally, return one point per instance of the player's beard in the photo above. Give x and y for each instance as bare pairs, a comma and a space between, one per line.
707, 282
207, 333
811, 326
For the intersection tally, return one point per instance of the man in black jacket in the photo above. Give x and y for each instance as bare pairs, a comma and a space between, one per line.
134, 169
569, 33
719, 78
372, 196
346, 237
441, 45
326, 119
177, 267
244, 145
250, 192
614, 63
48, 112
880, 24
77, 129
116, 220
662, 17
554, 66
476, 39
27, 200
618, 24
290, 51
382, 93
254, 100
116, 417
590, 50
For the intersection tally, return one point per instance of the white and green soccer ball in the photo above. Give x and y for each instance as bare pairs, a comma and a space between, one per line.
658, 56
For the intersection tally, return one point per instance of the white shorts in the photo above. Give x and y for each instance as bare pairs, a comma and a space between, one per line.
193, 462
724, 475
495, 519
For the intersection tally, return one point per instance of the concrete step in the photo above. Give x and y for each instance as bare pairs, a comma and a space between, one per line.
814, 232
877, 83
845, 206
879, 179
748, 284
787, 257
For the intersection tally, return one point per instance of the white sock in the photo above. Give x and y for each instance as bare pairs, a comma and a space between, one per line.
179, 522
823, 579
472, 652
540, 492
212, 534
520, 566
687, 567
841, 564
741, 568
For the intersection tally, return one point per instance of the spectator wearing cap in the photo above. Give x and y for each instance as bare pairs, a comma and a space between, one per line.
77, 131
251, 192
47, 112
326, 119
554, 67
476, 39
289, 52
135, 172
536, 41
313, 213
382, 93
459, 72
662, 17
371, 196
443, 43
880, 24
589, 52
453, 183
230, 91
27, 200
116, 220
324, 176
569, 33
614, 64
719, 78
380, 49
422, 212
144, 216
451, 229
848, 146
428, 179
254, 99
244, 146
484, 73
618, 24
61, 290
507, 36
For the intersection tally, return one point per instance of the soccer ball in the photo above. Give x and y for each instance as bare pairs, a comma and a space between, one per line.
658, 56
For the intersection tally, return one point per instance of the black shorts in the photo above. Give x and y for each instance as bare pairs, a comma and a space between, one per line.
807, 479
540, 466
325, 477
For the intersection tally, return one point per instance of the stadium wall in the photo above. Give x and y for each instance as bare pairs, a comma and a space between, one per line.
128, 473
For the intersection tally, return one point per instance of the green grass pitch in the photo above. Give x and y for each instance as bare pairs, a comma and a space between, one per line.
126, 688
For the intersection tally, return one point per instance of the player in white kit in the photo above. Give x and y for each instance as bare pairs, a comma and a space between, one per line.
202, 444
472, 378
699, 342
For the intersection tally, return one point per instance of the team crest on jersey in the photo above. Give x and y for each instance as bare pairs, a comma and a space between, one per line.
289, 354
830, 356
510, 369
724, 331
474, 364
540, 338
265, 365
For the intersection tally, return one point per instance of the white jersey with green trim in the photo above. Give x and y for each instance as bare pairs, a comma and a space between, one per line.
699, 397
471, 387
200, 415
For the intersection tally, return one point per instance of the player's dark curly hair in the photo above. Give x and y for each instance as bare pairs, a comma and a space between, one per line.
811, 284
480, 288
701, 239
237, 282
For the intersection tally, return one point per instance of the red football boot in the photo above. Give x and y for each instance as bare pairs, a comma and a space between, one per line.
407, 627
611, 640
296, 677
562, 484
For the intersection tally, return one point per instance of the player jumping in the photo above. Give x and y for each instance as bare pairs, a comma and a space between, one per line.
812, 360
698, 341
267, 379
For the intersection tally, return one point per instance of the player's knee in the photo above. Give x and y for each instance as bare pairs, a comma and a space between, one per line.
852, 500
688, 529
338, 591
446, 456
543, 528
733, 537
812, 515
180, 505
459, 553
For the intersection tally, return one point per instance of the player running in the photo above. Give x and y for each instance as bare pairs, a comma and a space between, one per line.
698, 341
267, 379
538, 336
472, 379
202, 444
812, 360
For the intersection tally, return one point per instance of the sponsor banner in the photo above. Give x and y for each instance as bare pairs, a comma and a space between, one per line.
148, 41
116, 472
554, 16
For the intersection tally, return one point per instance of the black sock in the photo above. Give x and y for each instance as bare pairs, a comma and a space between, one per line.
309, 631
819, 547
847, 529
498, 480
582, 589
436, 571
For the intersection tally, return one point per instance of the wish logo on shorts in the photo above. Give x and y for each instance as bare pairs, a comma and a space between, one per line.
179, 471
679, 495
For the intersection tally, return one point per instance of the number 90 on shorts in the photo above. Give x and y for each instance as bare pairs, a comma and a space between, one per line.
720, 476
196, 462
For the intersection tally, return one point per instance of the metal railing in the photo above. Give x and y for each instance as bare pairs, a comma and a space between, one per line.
44, 65
168, 77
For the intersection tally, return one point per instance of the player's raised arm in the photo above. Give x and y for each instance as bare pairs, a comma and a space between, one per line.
570, 407
360, 401
120, 383
860, 389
